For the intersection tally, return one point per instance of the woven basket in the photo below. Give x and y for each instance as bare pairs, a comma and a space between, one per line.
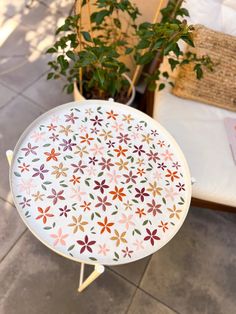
216, 88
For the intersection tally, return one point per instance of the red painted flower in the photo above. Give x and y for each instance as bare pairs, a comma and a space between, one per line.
86, 244
141, 193
44, 214
139, 150
101, 186
151, 236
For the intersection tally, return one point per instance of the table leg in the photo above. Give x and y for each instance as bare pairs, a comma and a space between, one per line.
9, 154
98, 270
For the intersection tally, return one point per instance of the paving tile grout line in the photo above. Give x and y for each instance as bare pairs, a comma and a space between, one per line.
144, 291
13, 245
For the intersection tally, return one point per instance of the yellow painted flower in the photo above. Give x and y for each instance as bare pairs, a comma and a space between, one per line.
154, 189
119, 237
77, 224
59, 170
174, 212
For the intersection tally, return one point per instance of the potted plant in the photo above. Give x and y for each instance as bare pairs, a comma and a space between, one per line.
91, 59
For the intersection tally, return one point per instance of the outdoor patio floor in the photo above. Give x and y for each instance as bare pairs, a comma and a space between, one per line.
194, 273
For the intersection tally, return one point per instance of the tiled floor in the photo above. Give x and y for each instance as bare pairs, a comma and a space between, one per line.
194, 273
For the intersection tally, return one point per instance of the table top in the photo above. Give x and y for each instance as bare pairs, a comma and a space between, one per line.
100, 182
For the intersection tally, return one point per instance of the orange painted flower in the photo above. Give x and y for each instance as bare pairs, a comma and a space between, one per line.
86, 139
52, 155
164, 226
140, 212
75, 179
85, 206
44, 214
120, 151
105, 225
172, 175
112, 115
118, 193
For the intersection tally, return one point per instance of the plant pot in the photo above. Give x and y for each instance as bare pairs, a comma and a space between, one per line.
79, 97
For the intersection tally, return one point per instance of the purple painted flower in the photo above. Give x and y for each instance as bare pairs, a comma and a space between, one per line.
56, 196
139, 150
181, 187
161, 166
96, 121
123, 138
94, 130
153, 156
79, 167
141, 193
29, 149
106, 164
110, 144
154, 132
40, 172
54, 137
70, 118
154, 208
130, 177
101, 186
127, 252
151, 236
103, 203
86, 244
92, 160
67, 145
64, 211
25, 202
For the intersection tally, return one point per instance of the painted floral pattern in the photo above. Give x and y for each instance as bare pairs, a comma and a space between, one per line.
100, 182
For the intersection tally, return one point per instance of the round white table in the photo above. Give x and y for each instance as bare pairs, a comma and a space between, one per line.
100, 182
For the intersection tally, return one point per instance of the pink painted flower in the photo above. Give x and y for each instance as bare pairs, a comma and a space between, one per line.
103, 249
59, 237
127, 220
70, 118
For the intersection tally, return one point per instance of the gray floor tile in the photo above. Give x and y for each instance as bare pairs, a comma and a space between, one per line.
132, 271
35, 280
23, 71
48, 94
15, 117
10, 8
196, 271
6, 95
11, 227
142, 303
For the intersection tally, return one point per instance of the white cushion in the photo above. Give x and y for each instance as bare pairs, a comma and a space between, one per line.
218, 15
199, 130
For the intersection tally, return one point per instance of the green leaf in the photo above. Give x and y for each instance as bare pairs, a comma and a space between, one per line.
50, 75
64, 64
86, 36
69, 90
98, 17
173, 63
51, 50
146, 58
71, 247
117, 23
198, 70
70, 54
161, 86
17, 174
188, 40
